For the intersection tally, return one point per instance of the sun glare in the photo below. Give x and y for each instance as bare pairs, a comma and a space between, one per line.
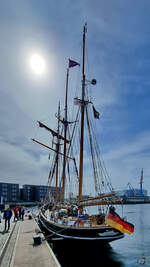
37, 64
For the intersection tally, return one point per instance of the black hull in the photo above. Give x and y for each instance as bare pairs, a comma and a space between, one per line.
75, 253
57, 232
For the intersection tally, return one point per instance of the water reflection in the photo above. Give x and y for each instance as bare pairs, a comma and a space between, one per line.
85, 254
134, 249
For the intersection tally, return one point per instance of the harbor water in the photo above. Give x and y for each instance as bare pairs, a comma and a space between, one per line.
131, 251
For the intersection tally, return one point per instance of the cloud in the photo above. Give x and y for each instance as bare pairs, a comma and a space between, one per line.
118, 53
126, 161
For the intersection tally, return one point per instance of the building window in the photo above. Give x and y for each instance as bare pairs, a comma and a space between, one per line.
4, 185
14, 190
4, 190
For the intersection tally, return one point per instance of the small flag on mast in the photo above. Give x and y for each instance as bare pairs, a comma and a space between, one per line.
73, 63
77, 101
96, 113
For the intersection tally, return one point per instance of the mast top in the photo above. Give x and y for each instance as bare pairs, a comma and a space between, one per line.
85, 28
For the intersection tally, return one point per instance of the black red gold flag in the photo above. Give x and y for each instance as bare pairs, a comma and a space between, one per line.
115, 221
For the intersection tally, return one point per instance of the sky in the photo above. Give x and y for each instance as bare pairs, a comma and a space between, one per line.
118, 45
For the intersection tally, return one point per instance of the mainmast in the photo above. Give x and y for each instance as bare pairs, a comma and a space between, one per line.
57, 155
65, 122
82, 116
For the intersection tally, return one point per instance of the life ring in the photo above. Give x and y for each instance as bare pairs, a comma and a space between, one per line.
142, 260
79, 222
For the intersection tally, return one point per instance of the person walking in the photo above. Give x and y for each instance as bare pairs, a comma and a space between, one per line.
22, 213
15, 214
0, 217
7, 216
19, 210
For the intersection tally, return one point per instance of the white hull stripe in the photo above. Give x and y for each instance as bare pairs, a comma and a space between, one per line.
84, 238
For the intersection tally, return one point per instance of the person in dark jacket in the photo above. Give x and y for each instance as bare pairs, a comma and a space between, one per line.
7, 216
22, 213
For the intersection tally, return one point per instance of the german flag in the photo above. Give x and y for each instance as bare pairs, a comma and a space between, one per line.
114, 220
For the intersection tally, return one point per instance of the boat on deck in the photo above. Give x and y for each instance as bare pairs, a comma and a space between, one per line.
64, 215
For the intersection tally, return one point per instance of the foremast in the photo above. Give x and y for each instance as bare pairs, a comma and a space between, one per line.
57, 156
65, 122
82, 116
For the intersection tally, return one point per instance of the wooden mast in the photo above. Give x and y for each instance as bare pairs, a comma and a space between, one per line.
36, 141
82, 118
57, 155
65, 136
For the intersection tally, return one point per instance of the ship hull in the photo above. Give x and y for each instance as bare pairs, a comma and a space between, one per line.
58, 232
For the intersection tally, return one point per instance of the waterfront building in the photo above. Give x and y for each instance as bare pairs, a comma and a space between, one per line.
9, 192
132, 192
28, 193
37, 192
133, 195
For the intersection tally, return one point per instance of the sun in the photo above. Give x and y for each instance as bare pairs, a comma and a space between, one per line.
37, 64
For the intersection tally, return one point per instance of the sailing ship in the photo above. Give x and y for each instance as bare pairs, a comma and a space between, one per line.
64, 214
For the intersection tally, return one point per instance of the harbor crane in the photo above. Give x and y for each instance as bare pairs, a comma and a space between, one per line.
132, 189
141, 183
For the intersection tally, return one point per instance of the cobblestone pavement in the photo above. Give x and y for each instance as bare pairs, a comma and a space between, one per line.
8, 253
5, 235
